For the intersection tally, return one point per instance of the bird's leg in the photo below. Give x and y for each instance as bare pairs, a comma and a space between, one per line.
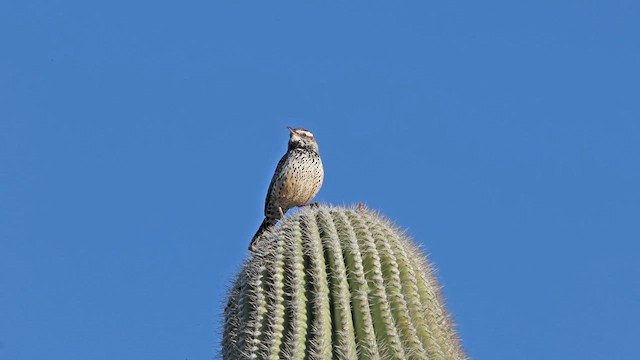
313, 204
361, 206
281, 212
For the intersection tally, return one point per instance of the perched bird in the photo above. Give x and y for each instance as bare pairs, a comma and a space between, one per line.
297, 179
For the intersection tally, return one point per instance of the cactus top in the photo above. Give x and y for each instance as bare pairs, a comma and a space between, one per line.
337, 283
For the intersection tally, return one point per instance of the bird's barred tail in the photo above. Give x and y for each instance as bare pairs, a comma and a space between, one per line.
266, 224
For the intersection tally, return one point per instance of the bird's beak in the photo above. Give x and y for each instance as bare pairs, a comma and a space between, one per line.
290, 129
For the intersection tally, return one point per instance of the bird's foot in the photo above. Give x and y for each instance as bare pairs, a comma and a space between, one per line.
313, 204
361, 206
281, 212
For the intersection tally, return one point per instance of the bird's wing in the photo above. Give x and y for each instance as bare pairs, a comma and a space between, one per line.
274, 179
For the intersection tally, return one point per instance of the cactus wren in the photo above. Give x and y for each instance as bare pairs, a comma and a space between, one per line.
297, 179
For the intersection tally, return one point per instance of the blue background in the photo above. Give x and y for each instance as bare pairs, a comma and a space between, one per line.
137, 141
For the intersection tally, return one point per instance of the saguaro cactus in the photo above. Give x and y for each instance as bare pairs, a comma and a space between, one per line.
337, 283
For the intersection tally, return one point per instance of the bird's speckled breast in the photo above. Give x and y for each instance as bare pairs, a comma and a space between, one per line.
301, 179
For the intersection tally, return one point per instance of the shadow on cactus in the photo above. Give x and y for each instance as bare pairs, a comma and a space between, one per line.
337, 283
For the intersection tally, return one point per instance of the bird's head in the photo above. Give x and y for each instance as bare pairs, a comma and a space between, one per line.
301, 138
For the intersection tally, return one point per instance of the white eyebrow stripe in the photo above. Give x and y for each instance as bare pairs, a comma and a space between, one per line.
306, 133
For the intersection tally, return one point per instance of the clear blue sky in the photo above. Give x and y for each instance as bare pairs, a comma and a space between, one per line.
137, 141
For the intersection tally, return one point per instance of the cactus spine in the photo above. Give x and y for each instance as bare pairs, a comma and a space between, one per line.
337, 283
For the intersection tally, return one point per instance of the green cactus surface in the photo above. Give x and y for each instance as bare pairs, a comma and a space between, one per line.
337, 283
